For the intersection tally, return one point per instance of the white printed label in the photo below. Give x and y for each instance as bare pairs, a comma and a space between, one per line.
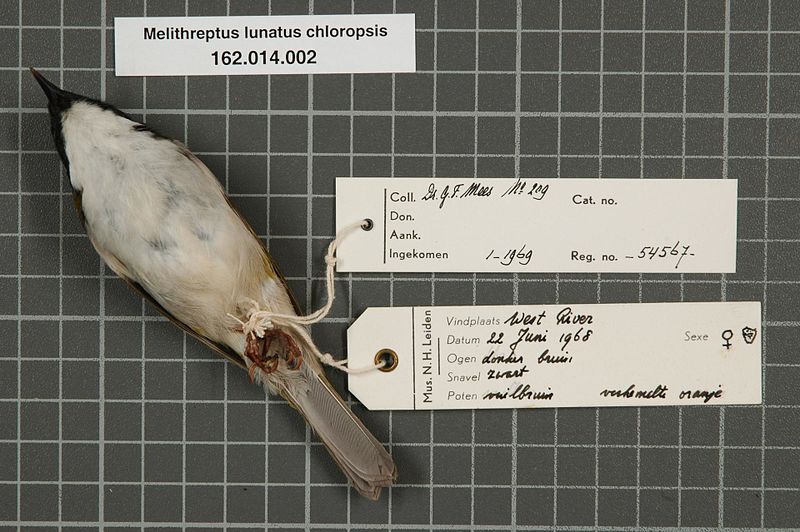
648, 354
538, 225
302, 44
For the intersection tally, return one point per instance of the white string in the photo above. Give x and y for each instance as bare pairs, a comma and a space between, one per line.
258, 321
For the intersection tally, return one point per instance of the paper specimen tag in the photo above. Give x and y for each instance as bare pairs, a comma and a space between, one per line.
535, 356
538, 225
302, 44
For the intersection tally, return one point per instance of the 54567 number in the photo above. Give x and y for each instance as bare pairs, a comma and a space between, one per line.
263, 57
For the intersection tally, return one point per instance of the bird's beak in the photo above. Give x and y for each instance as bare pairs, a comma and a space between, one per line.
60, 100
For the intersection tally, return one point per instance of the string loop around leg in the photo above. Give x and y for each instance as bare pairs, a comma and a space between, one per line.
258, 321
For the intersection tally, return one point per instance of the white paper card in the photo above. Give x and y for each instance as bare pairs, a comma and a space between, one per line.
301, 44
538, 225
535, 356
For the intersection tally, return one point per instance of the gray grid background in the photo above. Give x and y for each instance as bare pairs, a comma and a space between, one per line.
110, 416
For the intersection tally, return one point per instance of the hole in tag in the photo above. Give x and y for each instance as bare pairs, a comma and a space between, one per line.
388, 358
368, 224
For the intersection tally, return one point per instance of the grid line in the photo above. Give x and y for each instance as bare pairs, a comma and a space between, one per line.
682, 276
723, 278
640, 286
443, 113
764, 294
266, 238
101, 328
184, 369
19, 284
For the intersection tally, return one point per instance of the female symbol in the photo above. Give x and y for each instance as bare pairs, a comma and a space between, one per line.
727, 334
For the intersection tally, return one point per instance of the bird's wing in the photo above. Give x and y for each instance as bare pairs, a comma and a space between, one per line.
271, 268
223, 350
122, 271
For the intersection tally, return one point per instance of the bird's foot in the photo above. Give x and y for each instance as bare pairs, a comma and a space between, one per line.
257, 350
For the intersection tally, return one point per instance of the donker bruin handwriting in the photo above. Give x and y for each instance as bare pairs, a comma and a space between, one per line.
161, 221
565, 355
524, 339
509, 356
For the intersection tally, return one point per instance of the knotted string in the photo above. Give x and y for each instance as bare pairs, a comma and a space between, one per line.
258, 321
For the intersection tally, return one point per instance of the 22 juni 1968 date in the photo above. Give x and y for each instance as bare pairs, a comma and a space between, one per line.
263, 57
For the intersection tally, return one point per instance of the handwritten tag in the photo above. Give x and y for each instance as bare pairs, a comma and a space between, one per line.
303, 44
538, 225
558, 355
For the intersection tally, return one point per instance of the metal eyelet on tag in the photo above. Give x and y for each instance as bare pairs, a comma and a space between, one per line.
368, 224
388, 358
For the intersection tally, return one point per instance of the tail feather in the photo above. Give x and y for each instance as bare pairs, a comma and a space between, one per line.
360, 456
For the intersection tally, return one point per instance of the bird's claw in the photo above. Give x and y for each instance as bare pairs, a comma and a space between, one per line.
257, 350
